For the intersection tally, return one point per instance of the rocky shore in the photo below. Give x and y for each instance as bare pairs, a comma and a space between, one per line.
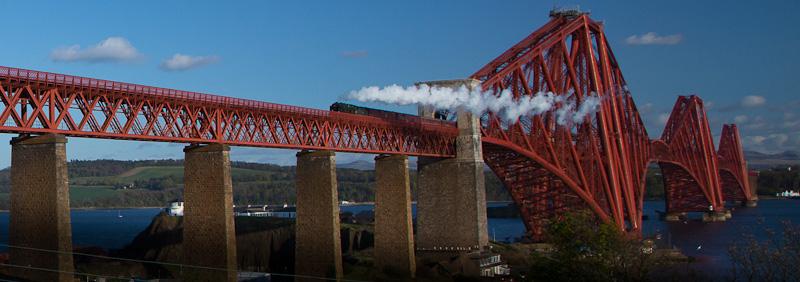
263, 244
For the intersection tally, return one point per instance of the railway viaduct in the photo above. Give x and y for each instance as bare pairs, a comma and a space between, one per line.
597, 164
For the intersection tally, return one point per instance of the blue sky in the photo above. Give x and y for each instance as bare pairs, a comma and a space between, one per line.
740, 58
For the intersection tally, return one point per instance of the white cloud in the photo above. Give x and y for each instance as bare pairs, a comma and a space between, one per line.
775, 142
112, 49
740, 119
646, 108
709, 105
759, 123
652, 38
778, 139
663, 118
791, 124
752, 101
180, 62
755, 140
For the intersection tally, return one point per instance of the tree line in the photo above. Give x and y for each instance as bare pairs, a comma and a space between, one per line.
257, 183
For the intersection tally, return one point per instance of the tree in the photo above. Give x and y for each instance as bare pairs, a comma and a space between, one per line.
774, 258
584, 250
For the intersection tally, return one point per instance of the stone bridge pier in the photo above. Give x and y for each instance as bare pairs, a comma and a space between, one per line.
40, 232
394, 235
209, 235
451, 199
318, 251
318, 243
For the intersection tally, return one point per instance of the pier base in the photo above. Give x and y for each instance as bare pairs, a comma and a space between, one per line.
39, 216
674, 216
394, 237
209, 235
318, 249
451, 206
714, 217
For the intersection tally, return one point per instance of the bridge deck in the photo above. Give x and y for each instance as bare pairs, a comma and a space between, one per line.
44, 102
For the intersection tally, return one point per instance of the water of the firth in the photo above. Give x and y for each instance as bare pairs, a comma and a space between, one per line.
104, 228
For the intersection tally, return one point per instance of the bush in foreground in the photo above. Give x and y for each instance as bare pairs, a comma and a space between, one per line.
774, 258
584, 250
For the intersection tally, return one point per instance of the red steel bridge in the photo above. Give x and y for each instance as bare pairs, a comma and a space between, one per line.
549, 168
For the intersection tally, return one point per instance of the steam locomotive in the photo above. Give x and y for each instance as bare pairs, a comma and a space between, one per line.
353, 109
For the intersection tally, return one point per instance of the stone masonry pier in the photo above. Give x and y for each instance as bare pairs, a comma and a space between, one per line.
39, 216
394, 236
209, 236
318, 250
451, 201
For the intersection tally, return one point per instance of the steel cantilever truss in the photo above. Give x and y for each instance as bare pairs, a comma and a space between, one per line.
550, 167
597, 163
688, 160
732, 166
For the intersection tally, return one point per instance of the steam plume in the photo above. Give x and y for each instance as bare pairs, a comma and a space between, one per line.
479, 102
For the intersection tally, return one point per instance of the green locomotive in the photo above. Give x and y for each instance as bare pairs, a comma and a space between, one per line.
353, 109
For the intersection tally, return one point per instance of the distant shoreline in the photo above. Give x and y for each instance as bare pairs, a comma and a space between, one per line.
104, 208
760, 198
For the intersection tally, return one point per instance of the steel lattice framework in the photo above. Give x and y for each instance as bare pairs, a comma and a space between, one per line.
549, 166
732, 167
600, 162
688, 160
41, 102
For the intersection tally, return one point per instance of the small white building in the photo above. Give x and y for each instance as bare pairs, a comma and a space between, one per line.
489, 264
175, 208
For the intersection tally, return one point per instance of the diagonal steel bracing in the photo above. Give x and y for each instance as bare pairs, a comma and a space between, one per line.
597, 162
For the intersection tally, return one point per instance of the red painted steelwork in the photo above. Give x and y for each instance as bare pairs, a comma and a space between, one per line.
689, 169
41, 102
549, 167
732, 166
599, 163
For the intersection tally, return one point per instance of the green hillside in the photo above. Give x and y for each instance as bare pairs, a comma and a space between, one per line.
111, 183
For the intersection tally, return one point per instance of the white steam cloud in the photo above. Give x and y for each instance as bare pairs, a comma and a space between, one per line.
479, 102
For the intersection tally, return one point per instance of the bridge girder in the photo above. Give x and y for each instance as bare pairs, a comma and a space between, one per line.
34, 102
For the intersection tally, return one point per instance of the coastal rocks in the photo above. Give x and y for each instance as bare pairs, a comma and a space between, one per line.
263, 244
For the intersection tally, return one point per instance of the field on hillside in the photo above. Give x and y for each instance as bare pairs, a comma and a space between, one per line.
154, 185
112, 183
80, 194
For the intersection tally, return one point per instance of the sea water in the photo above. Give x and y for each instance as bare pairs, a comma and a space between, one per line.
709, 242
